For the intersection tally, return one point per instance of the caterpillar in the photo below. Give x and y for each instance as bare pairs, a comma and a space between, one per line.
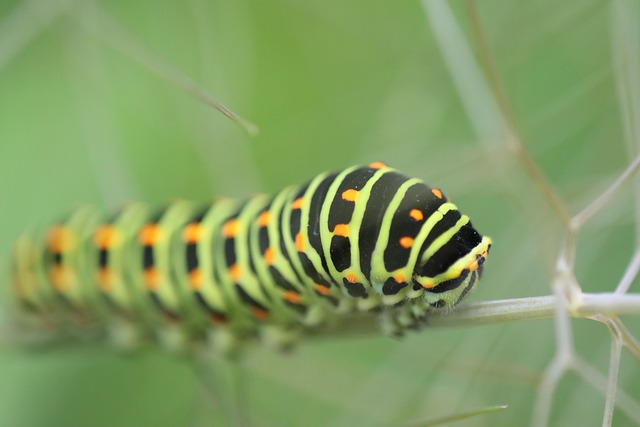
361, 239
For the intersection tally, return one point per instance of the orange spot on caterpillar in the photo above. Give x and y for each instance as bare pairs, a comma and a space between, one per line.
297, 203
149, 235
299, 242
264, 218
399, 278
429, 285
259, 313
474, 264
352, 278
322, 289
350, 195
60, 239
292, 297
192, 233
437, 193
269, 256
105, 279
151, 279
105, 237
377, 165
416, 214
406, 242
341, 230
236, 272
230, 228
195, 279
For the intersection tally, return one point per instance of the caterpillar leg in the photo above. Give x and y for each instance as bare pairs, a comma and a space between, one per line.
395, 320
280, 338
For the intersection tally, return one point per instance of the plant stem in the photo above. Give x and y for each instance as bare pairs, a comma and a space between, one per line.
508, 310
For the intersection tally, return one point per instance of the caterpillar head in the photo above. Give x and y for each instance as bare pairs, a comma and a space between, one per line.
451, 259
452, 271
432, 252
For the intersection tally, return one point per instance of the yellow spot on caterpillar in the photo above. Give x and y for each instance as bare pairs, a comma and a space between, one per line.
292, 297
60, 239
299, 242
350, 195
151, 279
192, 233
195, 279
437, 193
105, 237
297, 203
149, 235
269, 256
322, 289
416, 214
264, 218
352, 278
341, 230
230, 228
399, 278
377, 165
406, 242
236, 272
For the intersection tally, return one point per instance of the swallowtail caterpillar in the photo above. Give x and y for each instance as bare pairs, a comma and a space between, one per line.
360, 239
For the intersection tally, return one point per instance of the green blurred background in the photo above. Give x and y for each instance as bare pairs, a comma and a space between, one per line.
329, 84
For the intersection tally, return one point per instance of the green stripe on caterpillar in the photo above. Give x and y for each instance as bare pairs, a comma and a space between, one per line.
360, 239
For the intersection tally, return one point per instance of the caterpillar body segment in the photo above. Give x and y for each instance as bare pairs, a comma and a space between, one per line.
359, 239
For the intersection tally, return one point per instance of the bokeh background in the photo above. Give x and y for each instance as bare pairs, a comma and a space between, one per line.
85, 119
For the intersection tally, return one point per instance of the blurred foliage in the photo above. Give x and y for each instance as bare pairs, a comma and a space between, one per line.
330, 84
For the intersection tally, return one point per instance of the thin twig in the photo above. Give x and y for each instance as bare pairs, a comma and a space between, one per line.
446, 420
630, 273
612, 376
546, 390
587, 213
514, 135
612, 383
617, 328
624, 402
97, 22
